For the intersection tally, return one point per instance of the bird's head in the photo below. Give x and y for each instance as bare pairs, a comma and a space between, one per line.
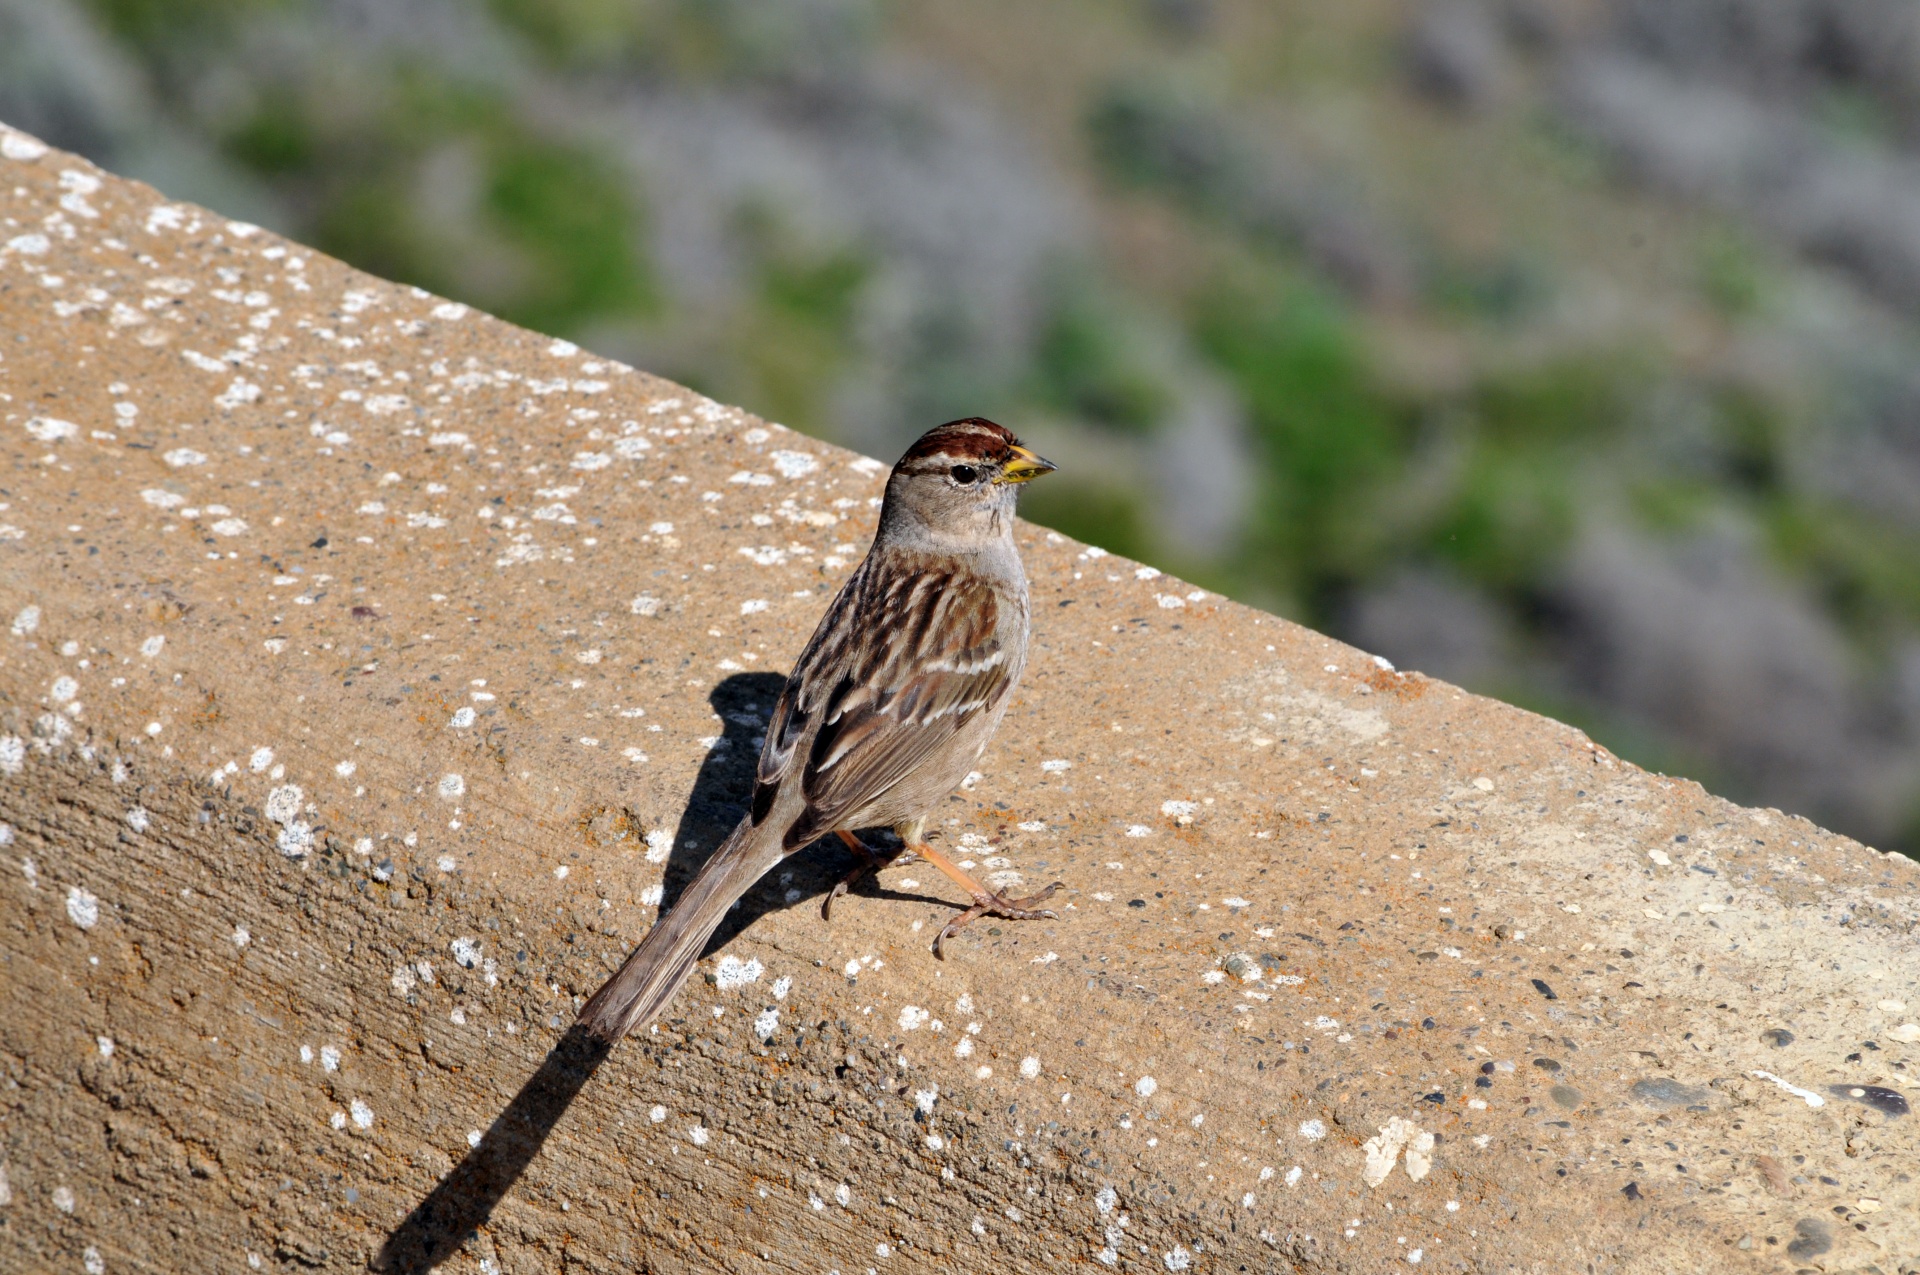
956, 485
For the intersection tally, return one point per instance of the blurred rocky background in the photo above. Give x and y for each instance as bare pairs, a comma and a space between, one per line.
1562, 348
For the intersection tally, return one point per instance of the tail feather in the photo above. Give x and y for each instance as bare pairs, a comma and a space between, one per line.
665, 958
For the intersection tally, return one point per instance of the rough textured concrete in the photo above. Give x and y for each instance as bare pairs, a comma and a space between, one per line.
374, 665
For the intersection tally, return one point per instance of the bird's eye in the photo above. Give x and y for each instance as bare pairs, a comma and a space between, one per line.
964, 473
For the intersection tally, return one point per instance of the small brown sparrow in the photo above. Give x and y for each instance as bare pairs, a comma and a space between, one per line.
887, 709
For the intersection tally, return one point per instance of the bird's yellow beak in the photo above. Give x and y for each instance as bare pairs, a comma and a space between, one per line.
1024, 467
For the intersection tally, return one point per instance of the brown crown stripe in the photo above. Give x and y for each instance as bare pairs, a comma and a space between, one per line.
974, 438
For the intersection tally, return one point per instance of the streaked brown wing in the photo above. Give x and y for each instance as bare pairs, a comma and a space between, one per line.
882, 708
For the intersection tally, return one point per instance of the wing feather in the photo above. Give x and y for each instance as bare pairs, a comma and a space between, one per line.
879, 709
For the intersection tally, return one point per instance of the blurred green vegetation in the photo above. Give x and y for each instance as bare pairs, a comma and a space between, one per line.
558, 220
1086, 365
1329, 435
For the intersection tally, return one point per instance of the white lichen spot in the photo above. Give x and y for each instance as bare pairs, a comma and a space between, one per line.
1105, 1199
794, 464
46, 429
83, 909
651, 896
21, 146
138, 819
362, 1113
1383, 1150
462, 718
63, 1198
732, 973
106, 1045
466, 951
1313, 1130
229, 527
1056, 766
1181, 812
13, 754
753, 606
1139, 830
183, 457
63, 689
781, 986
403, 979
645, 604
26, 620
659, 845
1029, 1067
283, 803
1294, 1175
92, 1262
338, 1120
329, 1058
1146, 1086
295, 840
913, 1018
261, 759
153, 646
1177, 1258
766, 1023
658, 1114
241, 936
699, 1135
452, 787
473, 1137
843, 1195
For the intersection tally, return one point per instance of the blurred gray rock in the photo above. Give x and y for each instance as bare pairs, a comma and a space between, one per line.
64, 81
1699, 638
1456, 53
1857, 207
1426, 620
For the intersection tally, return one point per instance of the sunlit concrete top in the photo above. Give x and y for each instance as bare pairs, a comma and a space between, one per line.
370, 667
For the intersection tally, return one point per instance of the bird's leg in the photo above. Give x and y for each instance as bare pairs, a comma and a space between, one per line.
869, 863
985, 902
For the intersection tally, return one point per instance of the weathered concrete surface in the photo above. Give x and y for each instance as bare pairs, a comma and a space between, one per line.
363, 669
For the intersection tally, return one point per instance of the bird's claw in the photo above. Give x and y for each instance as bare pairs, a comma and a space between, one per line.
997, 905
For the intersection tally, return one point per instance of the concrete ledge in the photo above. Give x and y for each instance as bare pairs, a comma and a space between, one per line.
374, 667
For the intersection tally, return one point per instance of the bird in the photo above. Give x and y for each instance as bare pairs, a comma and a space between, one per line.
886, 711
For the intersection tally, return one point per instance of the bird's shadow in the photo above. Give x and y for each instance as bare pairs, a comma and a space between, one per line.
465, 1198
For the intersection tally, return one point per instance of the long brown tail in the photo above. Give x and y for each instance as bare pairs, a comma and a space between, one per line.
666, 956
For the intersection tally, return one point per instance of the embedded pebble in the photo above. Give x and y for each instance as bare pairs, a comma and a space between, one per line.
1879, 1097
1663, 1093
